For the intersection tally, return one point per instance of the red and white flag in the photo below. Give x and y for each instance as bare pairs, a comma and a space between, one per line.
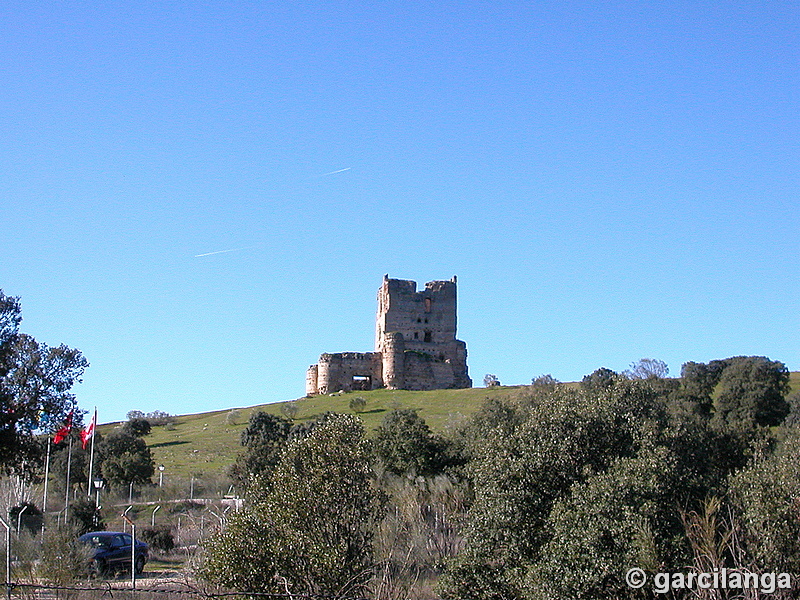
62, 433
88, 433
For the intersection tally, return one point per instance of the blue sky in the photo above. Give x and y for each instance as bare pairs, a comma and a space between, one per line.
609, 181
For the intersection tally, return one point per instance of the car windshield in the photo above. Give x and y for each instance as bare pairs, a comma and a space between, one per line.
99, 541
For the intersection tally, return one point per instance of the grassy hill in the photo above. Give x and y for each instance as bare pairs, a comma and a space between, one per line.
209, 442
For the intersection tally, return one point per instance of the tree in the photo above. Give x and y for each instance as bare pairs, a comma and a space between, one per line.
84, 516
793, 418
29, 517
314, 532
546, 381
608, 523
263, 439
159, 417
495, 417
125, 459
405, 444
765, 495
35, 384
78, 460
600, 379
490, 380
698, 380
647, 368
137, 427
751, 392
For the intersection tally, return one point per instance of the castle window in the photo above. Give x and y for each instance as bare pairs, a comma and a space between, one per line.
427, 305
427, 336
416, 335
420, 320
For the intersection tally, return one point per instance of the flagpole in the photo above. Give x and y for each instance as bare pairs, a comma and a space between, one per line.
46, 476
91, 455
66, 495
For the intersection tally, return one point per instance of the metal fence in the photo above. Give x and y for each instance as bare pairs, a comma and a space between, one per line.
29, 591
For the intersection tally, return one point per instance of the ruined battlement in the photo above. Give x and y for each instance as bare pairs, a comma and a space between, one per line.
415, 345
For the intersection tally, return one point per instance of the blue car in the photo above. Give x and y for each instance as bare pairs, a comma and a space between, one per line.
112, 551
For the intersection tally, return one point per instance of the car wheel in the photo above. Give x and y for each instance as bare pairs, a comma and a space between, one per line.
98, 567
140, 565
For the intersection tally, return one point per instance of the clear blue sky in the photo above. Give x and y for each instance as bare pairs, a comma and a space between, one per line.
609, 181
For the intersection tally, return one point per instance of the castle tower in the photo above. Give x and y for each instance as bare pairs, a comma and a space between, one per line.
415, 345
426, 317
426, 322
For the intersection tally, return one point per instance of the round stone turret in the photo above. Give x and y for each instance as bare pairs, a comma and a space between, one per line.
394, 348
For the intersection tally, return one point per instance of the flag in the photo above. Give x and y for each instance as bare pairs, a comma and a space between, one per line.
88, 433
62, 433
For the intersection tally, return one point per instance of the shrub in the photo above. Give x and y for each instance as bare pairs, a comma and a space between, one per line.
64, 558
290, 410
186, 506
313, 535
32, 519
159, 537
405, 443
358, 404
85, 517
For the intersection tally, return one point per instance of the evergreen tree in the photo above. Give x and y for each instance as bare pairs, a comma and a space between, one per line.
313, 534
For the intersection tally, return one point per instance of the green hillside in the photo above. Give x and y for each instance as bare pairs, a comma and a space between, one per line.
208, 442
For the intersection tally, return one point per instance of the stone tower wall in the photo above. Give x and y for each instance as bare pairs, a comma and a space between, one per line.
424, 317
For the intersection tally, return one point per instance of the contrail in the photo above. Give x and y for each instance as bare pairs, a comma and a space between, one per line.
223, 251
334, 172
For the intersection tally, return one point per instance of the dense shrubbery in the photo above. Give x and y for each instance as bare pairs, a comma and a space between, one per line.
574, 487
553, 495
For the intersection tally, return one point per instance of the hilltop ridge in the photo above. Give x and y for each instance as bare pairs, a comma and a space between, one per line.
209, 441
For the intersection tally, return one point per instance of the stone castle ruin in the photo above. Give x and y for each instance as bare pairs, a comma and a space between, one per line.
415, 345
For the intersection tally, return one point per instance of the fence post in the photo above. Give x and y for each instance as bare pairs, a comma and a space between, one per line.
133, 547
8, 557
